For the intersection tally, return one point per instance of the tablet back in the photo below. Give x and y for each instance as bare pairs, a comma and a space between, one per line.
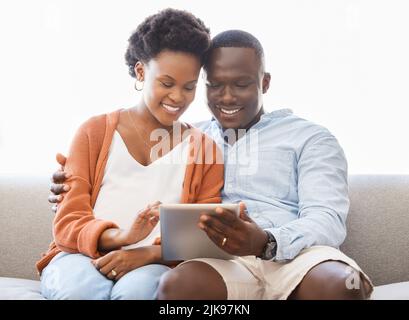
181, 237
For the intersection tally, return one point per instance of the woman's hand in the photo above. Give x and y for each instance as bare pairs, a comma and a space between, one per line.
146, 220
116, 264
144, 223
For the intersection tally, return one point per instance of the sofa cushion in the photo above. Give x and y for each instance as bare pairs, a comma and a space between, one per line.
22, 289
19, 289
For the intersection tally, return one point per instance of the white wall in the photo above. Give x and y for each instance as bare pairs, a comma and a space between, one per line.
342, 64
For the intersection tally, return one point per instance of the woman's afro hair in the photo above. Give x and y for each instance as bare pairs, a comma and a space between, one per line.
171, 29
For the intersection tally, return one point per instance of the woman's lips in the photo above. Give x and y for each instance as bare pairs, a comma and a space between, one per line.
171, 109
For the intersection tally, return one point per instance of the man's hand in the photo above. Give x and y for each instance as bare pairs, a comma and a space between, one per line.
116, 264
57, 187
239, 236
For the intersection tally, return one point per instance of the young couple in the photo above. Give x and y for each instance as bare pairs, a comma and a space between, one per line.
293, 195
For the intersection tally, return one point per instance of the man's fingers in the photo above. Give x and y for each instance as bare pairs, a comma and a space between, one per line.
226, 216
54, 198
215, 236
244, 213
61, 159
60, 176
58, 188
214, 223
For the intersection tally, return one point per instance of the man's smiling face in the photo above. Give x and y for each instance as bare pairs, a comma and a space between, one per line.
235, 83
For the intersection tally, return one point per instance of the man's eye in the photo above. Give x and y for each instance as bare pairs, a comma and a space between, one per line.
242, 84
213, 85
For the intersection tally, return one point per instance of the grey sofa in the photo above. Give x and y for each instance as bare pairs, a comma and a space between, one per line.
378, 233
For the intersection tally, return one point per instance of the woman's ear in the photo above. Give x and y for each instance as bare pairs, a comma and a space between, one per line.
139, 71
266, 81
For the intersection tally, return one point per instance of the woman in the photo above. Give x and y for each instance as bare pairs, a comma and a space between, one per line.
103, 247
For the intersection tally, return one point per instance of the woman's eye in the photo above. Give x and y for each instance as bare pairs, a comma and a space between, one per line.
190, 88
167, 84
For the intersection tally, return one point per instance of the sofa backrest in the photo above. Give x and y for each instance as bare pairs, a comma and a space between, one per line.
378, 225
26, 220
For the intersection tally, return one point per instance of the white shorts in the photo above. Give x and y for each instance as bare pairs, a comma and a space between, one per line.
250, 278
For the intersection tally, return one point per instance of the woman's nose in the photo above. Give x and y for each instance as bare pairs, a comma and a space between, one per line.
177, 96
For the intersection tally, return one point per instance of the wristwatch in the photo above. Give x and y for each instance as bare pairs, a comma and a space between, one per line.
270, 250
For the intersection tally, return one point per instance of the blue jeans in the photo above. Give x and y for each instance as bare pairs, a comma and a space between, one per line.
73, 277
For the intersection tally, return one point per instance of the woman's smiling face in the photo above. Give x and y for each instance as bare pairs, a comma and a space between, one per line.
169, 84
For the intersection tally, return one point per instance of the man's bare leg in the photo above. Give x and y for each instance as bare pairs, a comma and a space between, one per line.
329, 281
194, 280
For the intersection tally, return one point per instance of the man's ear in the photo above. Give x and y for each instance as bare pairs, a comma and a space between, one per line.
266, 81
140, 71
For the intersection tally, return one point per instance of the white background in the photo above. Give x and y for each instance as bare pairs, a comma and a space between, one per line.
342, 64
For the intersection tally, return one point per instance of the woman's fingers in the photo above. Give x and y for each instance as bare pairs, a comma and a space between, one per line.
153, 221
154, 213
143, 211
107, 269
103, 261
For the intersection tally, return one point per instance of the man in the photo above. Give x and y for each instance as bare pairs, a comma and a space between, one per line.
292, 185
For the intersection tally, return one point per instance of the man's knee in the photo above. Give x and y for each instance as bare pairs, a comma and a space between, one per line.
193, 280
169, 285
332, 280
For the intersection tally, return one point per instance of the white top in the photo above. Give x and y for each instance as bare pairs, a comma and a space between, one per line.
128, 186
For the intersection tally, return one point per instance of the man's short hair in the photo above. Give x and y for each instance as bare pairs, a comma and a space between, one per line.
236, 39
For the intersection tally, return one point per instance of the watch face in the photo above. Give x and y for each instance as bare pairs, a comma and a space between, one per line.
270, 251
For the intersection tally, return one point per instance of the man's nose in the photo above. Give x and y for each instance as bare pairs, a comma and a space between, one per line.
228, 96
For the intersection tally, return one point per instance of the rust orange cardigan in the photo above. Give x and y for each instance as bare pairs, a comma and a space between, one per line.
75, 228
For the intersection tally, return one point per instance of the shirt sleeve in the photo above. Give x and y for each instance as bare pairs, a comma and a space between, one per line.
323, 200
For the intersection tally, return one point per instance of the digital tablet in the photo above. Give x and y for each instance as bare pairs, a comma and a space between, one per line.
182, 239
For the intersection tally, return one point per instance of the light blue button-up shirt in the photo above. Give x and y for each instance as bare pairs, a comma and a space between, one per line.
292, 176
